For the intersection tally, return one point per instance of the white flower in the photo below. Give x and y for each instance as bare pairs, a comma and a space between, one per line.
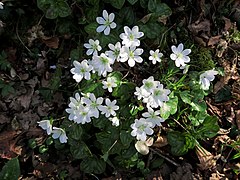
59, 133
110, 108
153, 117
206, 78
109, 84
185, 68
83, 115
102, 64
143, 146
115, 121
1, 5
93, 47
140, 93
155, 56
158, 96
46, 125
131, 37
148, 85
115, 51
106, 22
131, 54
179, 55
81, 70
93, 103
141, 128
74, 106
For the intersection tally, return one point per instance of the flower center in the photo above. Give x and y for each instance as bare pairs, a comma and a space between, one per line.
131, 54
104, 60
131, 37
180, 55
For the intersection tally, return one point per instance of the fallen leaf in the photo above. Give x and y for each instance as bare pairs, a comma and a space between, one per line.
160, 142
207, 160
52, 42
228, 23
4, 118
214, 40
8, 140
198, 27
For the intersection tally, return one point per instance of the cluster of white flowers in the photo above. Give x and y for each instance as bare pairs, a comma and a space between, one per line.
56, 132
152, 93
82, 109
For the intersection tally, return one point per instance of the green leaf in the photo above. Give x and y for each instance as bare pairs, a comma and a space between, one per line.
144, 3
179, 142
63, 9
95, 88
186, 96
107, 138
76, 132
125, 138
101, 122
91, 28
93, 165
117, 75
153, 30
11, 170
209, 128
132, 2
117, 3
79, 150
127, 16
197, 118
105, 40
160, 9
170, 107
44, 4
124, 89
198, 105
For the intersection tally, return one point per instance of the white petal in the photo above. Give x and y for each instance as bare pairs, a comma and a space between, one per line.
107, 31
173, 56
180, 47
113, 25
111, 17
100, 20
186, 52
105, 14
100, 28
131, 62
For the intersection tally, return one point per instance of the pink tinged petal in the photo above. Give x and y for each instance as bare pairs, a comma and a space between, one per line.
173, 57
131, 62
111, 17
105, 14
100, 20
113, 25
107, 31
100, 28
186, 52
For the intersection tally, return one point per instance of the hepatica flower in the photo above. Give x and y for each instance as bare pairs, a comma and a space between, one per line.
46, 125
74, 106
132, 55
153, 117
110, 108
59, 133
106, 22
109, 84
130, 37
179, 55
155, 56
81, 70
93, 47
141, 128
206, 78
102, 64
114, 120
114, 51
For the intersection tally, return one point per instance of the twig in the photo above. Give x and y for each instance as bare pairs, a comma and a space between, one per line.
164, 157
20, 38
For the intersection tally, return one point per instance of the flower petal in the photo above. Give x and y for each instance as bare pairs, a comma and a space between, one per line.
100, 28
100, 20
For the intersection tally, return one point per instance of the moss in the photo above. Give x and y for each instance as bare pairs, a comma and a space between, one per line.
202, 58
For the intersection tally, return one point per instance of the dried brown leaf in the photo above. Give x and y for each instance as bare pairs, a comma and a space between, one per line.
52, 42
160, 142
214, 40
207, 160
238, 118
203, 26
